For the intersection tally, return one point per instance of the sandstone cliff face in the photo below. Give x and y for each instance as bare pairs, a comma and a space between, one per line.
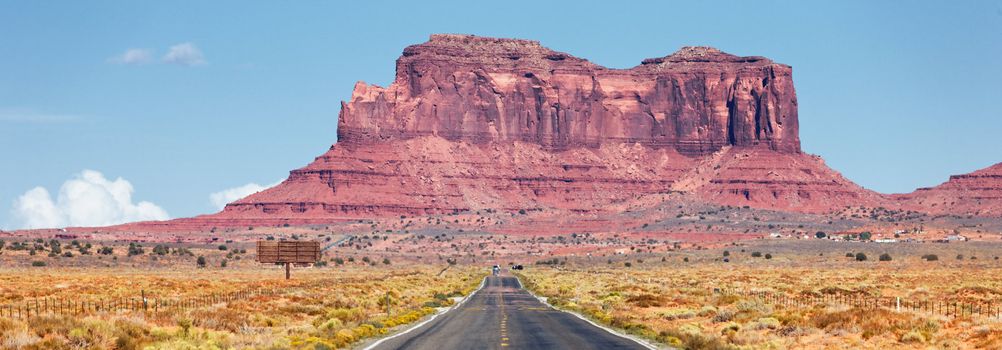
483, 90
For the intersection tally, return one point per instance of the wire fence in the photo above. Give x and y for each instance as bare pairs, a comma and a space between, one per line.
154, 305
947, 308
144, 303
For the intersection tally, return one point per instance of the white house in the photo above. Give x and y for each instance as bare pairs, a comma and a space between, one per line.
953, 238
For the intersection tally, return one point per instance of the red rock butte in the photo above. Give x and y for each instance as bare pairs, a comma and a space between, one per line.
474, 123
487, 90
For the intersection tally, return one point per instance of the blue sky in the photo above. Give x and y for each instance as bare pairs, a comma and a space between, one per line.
893, 96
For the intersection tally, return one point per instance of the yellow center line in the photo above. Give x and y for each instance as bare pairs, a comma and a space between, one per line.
504, 320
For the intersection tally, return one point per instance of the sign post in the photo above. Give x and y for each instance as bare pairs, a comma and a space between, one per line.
288, 253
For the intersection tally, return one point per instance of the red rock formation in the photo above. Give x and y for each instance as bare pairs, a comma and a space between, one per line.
476, 123
766, 179
978, 193
430, 175
482, 90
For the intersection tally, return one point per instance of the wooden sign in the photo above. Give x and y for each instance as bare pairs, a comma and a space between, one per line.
288, 252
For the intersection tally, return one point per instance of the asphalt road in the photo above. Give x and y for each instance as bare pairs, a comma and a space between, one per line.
502, 315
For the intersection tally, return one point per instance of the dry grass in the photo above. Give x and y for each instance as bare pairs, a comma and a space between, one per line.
319, 308
680, 306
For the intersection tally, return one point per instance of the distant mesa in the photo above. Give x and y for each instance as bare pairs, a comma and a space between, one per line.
473, 123
978, 193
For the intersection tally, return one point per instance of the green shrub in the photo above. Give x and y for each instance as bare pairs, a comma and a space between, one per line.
677, 314
765, 323
160, 249
135, 249
913, 337
723, 315
707, 310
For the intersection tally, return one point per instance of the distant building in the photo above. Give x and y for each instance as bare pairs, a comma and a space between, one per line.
886, 240
775, 235
955, 238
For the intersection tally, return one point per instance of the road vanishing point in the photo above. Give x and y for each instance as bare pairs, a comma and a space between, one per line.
503, 315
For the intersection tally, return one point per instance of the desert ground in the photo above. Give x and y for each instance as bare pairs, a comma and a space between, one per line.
800, 295
697, 291
219, 308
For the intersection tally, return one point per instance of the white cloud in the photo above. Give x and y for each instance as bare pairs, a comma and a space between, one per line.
133, 56
87, 199
35, 209
186, 54
221, 198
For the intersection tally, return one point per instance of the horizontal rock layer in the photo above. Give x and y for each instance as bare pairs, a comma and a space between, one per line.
431, 175
977, 193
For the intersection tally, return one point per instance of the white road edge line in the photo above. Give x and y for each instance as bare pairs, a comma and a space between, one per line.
433, 317
637, 340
